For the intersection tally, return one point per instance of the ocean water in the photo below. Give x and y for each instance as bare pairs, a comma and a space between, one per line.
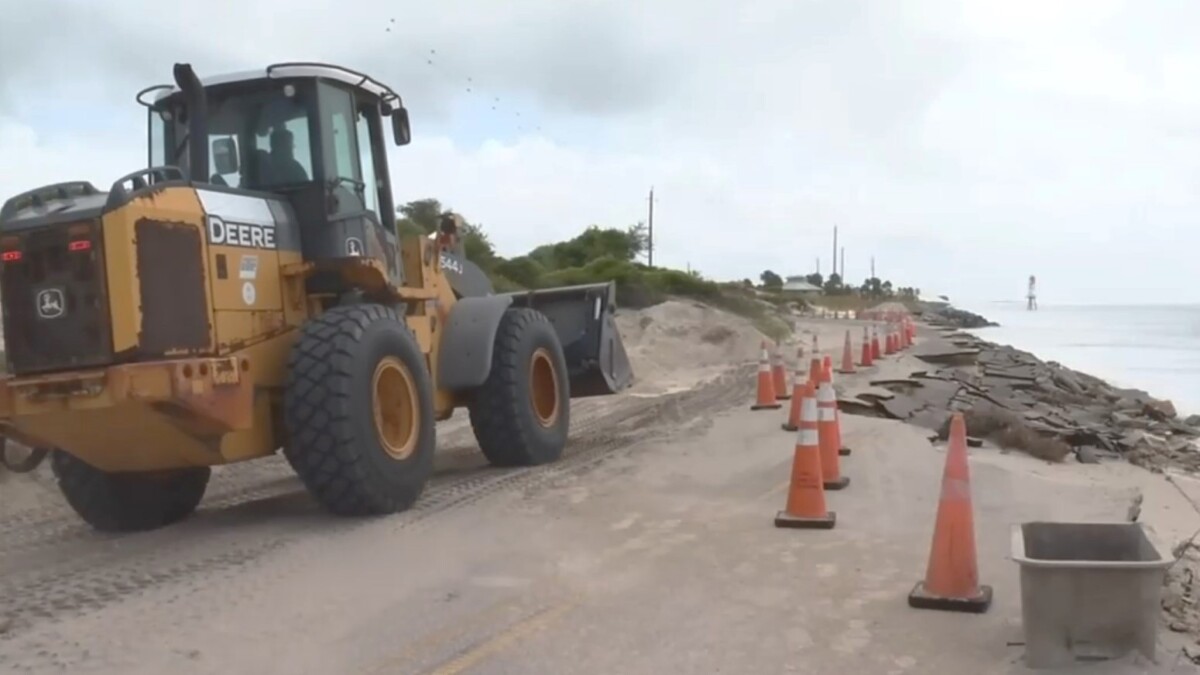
1155, 348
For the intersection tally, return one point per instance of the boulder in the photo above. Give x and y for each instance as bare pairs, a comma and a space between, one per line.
1161, 410
1125, 420
1065, 380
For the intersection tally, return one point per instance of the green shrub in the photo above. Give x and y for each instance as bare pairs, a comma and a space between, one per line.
523, 270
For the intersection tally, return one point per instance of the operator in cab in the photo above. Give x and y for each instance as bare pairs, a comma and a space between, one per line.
286, 170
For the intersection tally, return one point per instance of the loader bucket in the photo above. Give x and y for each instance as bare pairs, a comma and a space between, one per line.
583, 318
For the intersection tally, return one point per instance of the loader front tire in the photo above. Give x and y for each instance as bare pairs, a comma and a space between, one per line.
128, 502
522, 412
358, 411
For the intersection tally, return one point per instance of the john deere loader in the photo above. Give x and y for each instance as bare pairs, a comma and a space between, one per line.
247, 292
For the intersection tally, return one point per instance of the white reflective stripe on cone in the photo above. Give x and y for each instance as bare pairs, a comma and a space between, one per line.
809, 410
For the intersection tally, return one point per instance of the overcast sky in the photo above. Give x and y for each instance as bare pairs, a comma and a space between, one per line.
964, 145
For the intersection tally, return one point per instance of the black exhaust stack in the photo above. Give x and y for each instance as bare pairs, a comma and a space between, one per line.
197, 107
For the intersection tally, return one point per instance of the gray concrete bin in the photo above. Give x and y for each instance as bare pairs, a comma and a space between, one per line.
1089, 591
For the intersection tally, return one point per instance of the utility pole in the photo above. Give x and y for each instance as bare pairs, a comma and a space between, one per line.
872, 267
818, 264
843, 266
650, 234
835, 251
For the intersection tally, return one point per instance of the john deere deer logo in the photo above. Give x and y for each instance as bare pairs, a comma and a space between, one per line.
50, 303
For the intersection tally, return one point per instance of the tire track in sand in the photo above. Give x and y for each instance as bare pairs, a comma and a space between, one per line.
54, 570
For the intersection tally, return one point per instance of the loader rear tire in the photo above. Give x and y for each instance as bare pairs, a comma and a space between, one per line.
522, 412
128, 502
355, 455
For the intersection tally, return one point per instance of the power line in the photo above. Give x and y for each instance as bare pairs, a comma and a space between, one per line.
650, 233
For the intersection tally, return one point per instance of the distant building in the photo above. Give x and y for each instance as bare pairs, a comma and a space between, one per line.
799, 286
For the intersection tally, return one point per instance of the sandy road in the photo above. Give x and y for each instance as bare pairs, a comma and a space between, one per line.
54, 568
649, 549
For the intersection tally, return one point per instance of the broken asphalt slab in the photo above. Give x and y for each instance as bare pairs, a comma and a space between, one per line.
1044, 398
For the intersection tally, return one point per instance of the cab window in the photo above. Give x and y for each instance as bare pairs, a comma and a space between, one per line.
366, 160
341, 148
268, 130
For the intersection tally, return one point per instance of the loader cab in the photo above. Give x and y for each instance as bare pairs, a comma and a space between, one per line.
313, 133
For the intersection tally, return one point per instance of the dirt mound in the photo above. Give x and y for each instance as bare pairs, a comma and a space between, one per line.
890, 308
676, 344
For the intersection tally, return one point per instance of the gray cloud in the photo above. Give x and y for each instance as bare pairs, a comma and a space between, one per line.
930, 130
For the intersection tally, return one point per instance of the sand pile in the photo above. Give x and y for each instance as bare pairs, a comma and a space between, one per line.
886, 308
675, 345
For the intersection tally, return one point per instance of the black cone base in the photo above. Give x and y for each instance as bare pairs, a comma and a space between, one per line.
783, 519
919, 599
839, 484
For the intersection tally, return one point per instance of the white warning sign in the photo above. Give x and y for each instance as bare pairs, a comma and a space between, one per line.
248, 269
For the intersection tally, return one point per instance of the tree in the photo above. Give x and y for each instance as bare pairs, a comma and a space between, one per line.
522, 270
419, 217
478, 247
834, 283
594, 243
771, 280
816, 279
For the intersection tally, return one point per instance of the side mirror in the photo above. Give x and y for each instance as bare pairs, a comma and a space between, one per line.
400, 128
225, 156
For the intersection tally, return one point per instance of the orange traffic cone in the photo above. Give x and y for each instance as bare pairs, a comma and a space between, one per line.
827, 365
766, 387
799, 381
830, 435
814, 370
866, 359
889, 343
847, 356
952, 577
875, 353
806, 494
779, 377
842, 450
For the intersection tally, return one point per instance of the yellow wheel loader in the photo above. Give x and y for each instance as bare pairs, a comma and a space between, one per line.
247, 292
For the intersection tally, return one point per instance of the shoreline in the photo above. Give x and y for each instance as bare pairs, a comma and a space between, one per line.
1160, 361
1124, 398
1019, 401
